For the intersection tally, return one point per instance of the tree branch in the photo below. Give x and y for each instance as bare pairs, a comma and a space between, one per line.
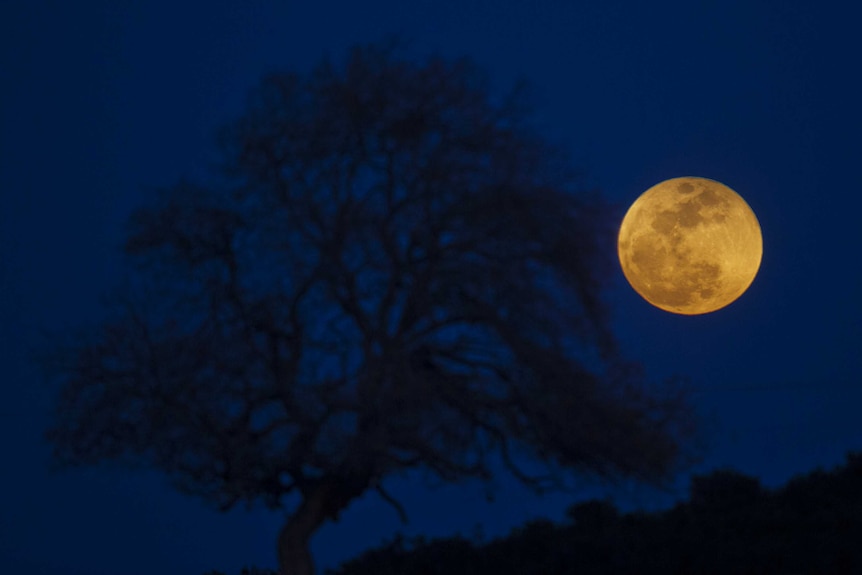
392, 501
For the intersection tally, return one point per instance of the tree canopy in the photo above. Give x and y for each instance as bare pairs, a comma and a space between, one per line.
395, 272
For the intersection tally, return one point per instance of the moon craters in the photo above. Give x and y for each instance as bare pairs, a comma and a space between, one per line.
690, 245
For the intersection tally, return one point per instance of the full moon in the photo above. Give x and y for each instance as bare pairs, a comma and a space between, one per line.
690, 245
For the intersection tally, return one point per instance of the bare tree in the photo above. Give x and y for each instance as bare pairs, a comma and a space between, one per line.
395, 273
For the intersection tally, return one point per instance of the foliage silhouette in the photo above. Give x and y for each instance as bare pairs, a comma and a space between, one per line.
730, 525
396, 272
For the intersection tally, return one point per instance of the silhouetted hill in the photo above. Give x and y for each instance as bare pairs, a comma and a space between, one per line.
730, 525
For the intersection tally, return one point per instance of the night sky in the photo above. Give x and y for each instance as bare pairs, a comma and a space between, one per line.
102, 102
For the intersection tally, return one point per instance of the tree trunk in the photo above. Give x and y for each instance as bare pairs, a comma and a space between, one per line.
294, 555
324, 501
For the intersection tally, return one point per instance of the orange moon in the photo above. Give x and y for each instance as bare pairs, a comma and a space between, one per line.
690, 245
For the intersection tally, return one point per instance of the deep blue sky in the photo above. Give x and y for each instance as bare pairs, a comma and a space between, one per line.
103, 101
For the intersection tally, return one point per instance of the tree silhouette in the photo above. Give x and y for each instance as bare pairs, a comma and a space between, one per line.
396, 272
